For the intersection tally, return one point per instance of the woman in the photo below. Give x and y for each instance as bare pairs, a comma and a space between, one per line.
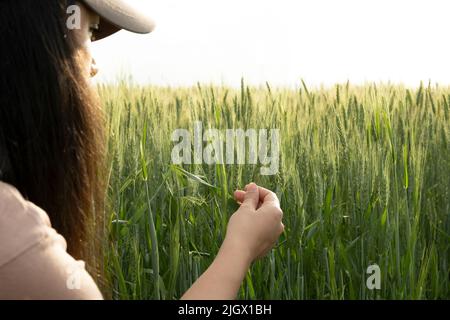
52, 159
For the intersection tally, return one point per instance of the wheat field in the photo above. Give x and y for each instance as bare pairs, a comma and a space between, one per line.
363, 179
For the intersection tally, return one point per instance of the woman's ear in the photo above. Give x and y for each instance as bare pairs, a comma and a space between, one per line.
94, 69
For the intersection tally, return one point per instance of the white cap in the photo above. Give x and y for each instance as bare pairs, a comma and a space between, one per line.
118, 14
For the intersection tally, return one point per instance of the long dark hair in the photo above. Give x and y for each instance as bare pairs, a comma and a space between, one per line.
51, 124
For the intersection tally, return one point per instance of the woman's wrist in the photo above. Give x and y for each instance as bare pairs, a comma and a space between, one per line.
235, 252
231, 266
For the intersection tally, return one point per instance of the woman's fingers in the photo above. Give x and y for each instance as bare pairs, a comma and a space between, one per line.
239, 195
271, 199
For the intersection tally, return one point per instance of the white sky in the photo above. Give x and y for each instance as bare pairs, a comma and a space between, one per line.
283, 41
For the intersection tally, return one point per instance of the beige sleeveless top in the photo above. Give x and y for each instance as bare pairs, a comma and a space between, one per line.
34, 263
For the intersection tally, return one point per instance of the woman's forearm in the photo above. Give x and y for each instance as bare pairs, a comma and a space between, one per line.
222, 280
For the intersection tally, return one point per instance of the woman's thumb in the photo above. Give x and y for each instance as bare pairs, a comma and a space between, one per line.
251, 198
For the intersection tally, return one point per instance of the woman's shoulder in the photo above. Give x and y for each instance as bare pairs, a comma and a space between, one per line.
34, 263
22, 224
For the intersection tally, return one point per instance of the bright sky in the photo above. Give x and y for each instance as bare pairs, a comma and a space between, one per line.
283, 41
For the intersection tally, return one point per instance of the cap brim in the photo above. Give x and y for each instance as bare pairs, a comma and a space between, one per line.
118, 14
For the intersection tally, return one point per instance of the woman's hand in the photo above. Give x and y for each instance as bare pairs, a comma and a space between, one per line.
255, 227
252, 231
